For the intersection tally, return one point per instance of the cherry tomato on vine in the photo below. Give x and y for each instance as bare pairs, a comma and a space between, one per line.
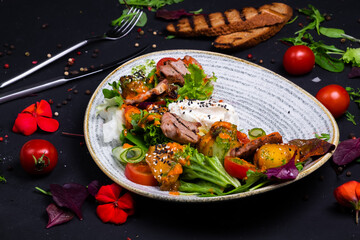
38, 156
335, 98
298, 60
140, 173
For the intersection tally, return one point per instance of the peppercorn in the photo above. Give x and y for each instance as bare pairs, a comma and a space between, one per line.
45, 25
58, 105
59, 45
348, 174
64, 102
12, 46
261, 61
272, 60
27, 54
75, 91
94, 55
96, 50
87, 92
343, 40
327, 17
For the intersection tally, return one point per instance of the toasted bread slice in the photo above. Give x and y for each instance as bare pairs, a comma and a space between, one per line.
246, 39
252, 37
216, 24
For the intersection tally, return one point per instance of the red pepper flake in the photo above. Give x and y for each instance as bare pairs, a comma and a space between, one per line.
149, 8
34, 62
6, 65
6, 136
51, 101
78, 53
139, 30
113, 207
34, 116
249, 56
1, 139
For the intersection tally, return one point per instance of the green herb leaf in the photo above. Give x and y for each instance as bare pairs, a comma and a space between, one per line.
292, 20
2, 179
332, 32
127, 16
352, 55
149, 3
329, 63
197, 85
323, 136
170, 37
197, 11
350, 117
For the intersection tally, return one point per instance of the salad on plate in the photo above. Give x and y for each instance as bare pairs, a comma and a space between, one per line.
171, 134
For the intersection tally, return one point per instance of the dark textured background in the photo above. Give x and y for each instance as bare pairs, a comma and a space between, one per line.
303, 210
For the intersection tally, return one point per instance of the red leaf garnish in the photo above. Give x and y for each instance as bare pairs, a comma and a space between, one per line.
172, 15
25, 123
35, 115
312, 147
347, 151
287, 171
57, 215
47, 124
43, 109
94, 187
70, 195
113, 207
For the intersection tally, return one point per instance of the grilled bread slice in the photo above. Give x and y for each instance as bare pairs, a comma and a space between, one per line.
216, 24
252, 37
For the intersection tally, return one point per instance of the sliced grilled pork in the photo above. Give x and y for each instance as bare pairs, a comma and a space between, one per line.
179, 66
178, 129
171, 74
249, 149
162, 87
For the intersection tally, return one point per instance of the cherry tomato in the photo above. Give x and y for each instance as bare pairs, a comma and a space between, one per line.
140, 173
237, 167
335, 98
38, 156
298, 60
163, 60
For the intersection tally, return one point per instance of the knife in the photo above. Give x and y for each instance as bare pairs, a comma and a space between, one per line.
57, 81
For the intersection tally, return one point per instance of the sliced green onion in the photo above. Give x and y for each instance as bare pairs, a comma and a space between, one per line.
133, 154
256, 133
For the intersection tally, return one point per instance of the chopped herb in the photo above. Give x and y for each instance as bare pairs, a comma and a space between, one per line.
354, 94
323, 136
127, 16
149, 3
197, 11
292, 20
350, 117
170, 37
2, 179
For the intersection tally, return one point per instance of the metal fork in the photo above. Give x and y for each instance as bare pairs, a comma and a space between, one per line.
115, 33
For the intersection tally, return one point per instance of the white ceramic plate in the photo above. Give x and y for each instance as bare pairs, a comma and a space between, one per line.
261, 98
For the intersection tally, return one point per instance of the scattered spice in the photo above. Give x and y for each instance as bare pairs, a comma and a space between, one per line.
112, 207
69, 98
48, 55
36, 115
71, 61
56, 114
58, 45
27, 54
64, 102
94, 55
75, 91
272, 60
348, 174
34, 62
249, 56
154, 33
1, 139
78, 53
6, 65
66, 73
136, 44
58, 105
154, 46
343, 40
45, 25
348, 195
87, 92
51, 101
261, 61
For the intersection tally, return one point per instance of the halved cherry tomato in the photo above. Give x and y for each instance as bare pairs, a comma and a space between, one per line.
237, 167
163, 60
140, 173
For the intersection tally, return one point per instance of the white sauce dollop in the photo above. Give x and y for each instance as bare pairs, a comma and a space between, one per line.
205, 112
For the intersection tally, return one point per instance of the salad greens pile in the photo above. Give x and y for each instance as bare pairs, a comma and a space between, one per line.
323, 52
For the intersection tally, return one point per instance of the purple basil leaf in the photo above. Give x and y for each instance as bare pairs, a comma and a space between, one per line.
285, 172
57, 215
172, 15
347, 151
94, 187
355, 72
70, 195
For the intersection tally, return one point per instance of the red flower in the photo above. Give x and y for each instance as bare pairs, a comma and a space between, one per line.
348, 195
113, 207
35, 115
